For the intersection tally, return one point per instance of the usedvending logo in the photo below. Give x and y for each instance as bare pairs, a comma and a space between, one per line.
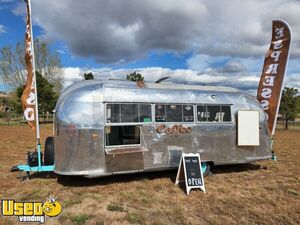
31, 211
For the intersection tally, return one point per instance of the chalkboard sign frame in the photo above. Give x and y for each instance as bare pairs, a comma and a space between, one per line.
182, 173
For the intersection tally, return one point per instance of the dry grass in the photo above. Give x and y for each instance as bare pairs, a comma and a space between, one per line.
265, 192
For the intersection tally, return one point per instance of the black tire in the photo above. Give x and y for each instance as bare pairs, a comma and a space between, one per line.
49, 151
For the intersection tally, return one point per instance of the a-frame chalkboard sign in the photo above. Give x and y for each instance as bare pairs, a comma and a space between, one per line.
190, 171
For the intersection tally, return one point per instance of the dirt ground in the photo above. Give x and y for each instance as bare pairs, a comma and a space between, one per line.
264, 192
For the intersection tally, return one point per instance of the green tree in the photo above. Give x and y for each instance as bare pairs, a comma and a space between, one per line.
16, 99
135, 77
47, 98
288, 105
13, 67
88, 76
298, 103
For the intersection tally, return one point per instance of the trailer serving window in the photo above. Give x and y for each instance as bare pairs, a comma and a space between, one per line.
214, 113
174, 113
122, 135
123, 121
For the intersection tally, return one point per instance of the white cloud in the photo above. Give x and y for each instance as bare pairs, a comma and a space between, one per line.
201, 62
241, 73
75, 74
245, 81
71, 75
224, 64
121, 31
20, 9
2, 29
293, 81
228, 40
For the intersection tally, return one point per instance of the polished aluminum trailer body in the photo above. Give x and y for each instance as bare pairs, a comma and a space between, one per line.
80, 129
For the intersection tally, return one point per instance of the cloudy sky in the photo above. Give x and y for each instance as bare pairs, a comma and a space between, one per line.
205, 42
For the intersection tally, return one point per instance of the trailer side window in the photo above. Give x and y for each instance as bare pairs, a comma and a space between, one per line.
160, 113
213, 113
113, 113
227, 113
202, 113
174, 113
145, 113
128, 113
188, 113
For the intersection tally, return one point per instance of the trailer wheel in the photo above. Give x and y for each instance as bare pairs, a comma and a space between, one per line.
49, 151
205, 167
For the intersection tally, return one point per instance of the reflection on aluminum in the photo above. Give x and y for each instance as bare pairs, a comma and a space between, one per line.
80, 123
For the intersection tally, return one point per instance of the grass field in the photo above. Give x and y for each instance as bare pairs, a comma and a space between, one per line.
264, 192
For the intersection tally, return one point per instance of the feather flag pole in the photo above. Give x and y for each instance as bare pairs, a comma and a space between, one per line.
29, 96
30, 103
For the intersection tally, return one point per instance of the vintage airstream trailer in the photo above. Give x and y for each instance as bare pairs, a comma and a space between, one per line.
105, 127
